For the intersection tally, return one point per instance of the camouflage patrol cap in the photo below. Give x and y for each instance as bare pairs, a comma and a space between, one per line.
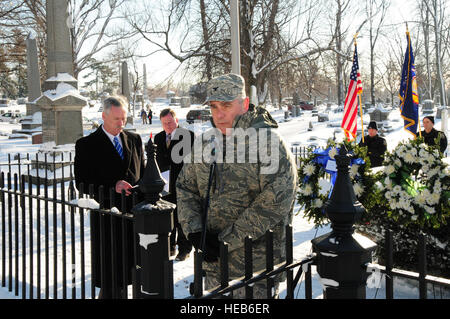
225, 88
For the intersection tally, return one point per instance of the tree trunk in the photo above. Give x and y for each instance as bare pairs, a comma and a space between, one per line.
208, 67
338, 57
437, 34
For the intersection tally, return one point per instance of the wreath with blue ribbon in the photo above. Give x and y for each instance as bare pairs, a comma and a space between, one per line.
317, 175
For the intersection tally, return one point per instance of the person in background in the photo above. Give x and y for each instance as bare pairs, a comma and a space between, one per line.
150, 116
376, 145
432, 136
144, 117
113, 158
166, 140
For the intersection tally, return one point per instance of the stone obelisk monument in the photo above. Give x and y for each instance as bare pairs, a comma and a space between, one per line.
125, 91
61, 102
32, 124
33, 76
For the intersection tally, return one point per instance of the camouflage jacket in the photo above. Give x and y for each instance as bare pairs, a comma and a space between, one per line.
243, 200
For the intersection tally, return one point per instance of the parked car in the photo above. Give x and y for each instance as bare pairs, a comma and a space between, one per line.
198, 115
12, 117
306, 106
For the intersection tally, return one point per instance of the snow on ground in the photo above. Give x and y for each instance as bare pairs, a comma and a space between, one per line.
295, 133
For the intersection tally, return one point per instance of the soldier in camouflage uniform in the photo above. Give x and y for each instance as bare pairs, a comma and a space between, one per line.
246, 198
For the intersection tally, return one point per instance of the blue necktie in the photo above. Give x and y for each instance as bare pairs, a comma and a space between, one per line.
118, 147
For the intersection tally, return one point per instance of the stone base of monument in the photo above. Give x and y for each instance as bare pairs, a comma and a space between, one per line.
61, 111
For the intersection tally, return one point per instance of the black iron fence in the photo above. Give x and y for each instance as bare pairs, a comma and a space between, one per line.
46, 239
227, 287
421, 276
46, 247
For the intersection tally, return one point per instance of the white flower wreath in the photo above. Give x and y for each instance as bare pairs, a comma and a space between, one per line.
416, 184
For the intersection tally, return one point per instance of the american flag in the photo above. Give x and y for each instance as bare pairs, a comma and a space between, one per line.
351, 100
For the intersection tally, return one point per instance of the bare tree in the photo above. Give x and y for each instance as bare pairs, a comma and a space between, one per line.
436, 10
95, 26
425, 22
391, 78
376, 9
270, 36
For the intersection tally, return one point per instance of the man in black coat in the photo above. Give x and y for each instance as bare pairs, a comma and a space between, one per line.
113, 158
173, 144
430, 134
376, 145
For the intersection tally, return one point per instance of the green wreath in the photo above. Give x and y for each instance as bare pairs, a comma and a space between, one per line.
416, 184
313, 192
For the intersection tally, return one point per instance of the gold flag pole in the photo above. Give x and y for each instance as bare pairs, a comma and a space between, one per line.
418, 117
360, 103
418, 122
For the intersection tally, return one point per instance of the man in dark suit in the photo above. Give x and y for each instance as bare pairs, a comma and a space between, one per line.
169, 156
114, 159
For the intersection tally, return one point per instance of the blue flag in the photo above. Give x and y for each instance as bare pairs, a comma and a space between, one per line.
409, 100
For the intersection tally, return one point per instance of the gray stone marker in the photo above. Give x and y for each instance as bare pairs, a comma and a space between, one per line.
60, 103
439, 112
185, 101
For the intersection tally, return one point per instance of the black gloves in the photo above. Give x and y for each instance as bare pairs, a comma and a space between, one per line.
212, 245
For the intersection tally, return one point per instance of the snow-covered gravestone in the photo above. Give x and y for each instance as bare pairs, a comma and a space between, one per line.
61, 102
427, 107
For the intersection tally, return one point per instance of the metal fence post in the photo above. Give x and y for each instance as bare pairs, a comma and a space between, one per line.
153, 224
342, 255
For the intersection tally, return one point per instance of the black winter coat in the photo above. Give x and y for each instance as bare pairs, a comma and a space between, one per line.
376, 147
97, 162
430, 138
165, 161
